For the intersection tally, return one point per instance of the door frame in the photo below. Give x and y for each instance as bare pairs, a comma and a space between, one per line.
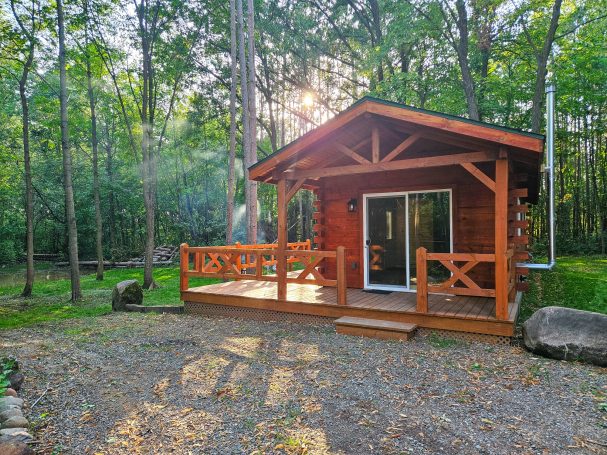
366, 197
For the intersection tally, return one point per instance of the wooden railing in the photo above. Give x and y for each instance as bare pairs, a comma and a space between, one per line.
253, 262
248, 261
458, 274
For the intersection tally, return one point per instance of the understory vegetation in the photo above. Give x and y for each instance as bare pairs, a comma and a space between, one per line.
576, 282
52, 299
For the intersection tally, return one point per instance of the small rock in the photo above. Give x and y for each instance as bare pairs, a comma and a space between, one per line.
125, 293
11, 412
9, 402
12, 446
14, 422
18, 434
10, 392
16, 379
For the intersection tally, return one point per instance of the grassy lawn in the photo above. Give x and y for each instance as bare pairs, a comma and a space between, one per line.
575, 282
51, 300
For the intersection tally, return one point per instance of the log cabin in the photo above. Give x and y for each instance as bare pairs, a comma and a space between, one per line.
419, 223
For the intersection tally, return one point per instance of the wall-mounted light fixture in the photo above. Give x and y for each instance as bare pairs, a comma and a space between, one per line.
352, 204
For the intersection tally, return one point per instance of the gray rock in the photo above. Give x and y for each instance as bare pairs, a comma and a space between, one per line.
567, 334
12, 446
126, 293
10, 402
10, 392
16, 380
19, 434
15, 422
11, 412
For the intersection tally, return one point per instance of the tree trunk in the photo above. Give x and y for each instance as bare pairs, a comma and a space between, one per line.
29, 196
232, 153
70, 212
251, 185
542, 66
464, 64
95, 149
246, 117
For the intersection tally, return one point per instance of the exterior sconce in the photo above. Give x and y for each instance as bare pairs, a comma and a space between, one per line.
352, 204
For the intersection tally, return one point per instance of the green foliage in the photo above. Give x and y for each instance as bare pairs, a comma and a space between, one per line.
52, 298
576, 282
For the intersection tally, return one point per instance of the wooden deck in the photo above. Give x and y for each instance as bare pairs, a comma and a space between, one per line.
445, 312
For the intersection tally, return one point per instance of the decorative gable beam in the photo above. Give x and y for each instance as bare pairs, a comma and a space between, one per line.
404, 145
351, 153
412, 163
375, 144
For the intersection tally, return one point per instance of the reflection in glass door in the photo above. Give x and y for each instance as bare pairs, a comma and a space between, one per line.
386, 241
430, 227
396, 224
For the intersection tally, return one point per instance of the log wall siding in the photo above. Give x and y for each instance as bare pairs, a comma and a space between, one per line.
473, 210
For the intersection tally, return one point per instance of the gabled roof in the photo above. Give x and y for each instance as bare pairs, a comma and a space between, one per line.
440, 124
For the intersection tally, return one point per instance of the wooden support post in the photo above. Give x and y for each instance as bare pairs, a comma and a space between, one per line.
184, 264
239, 258
375, 144
501, 239
342, 287
422, 280
281, 258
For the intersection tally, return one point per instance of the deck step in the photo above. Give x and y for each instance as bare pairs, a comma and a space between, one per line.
375, 328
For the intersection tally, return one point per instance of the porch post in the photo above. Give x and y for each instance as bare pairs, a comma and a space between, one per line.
281, 258
501, 238
184, 265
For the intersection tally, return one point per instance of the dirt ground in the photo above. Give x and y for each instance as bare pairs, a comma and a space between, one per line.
134, 383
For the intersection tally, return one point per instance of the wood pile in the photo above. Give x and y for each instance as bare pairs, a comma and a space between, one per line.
163, 255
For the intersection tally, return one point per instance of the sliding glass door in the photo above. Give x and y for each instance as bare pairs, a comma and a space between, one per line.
395, 225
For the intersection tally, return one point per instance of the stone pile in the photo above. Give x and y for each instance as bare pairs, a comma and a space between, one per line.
14, 433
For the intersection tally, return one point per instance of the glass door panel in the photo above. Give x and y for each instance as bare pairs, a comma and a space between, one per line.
430, 227
387, 241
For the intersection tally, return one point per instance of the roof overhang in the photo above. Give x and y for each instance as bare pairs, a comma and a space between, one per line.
296, 160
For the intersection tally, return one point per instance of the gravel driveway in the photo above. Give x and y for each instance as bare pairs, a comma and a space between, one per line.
135, 383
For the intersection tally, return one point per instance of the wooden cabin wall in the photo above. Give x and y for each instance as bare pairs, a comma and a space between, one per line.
473, 209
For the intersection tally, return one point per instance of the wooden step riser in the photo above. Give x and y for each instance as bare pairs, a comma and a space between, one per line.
374, 333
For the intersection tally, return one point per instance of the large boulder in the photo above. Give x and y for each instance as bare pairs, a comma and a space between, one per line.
567, 334
126, 293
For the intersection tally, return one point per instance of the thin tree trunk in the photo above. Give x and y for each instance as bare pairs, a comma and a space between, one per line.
29, 189
67, 162
542, 66
251, 185
95, 148
29, 195
246, 113
232, 153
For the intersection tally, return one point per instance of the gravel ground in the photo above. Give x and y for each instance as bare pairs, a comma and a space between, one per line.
135, 383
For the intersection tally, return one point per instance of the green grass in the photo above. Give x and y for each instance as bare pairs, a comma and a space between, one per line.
51, 299
575, 282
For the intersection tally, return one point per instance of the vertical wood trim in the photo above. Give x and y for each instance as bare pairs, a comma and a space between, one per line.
501, 239
281, 264
422, 280
184, 260
239, 257
375, 144
341, 275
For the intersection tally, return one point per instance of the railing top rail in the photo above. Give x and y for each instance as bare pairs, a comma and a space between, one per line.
224, 249
316, 253
479, 257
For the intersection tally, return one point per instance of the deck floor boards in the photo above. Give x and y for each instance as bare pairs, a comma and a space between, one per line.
479, 308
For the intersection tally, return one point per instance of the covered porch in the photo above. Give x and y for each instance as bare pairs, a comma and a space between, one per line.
444, 312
